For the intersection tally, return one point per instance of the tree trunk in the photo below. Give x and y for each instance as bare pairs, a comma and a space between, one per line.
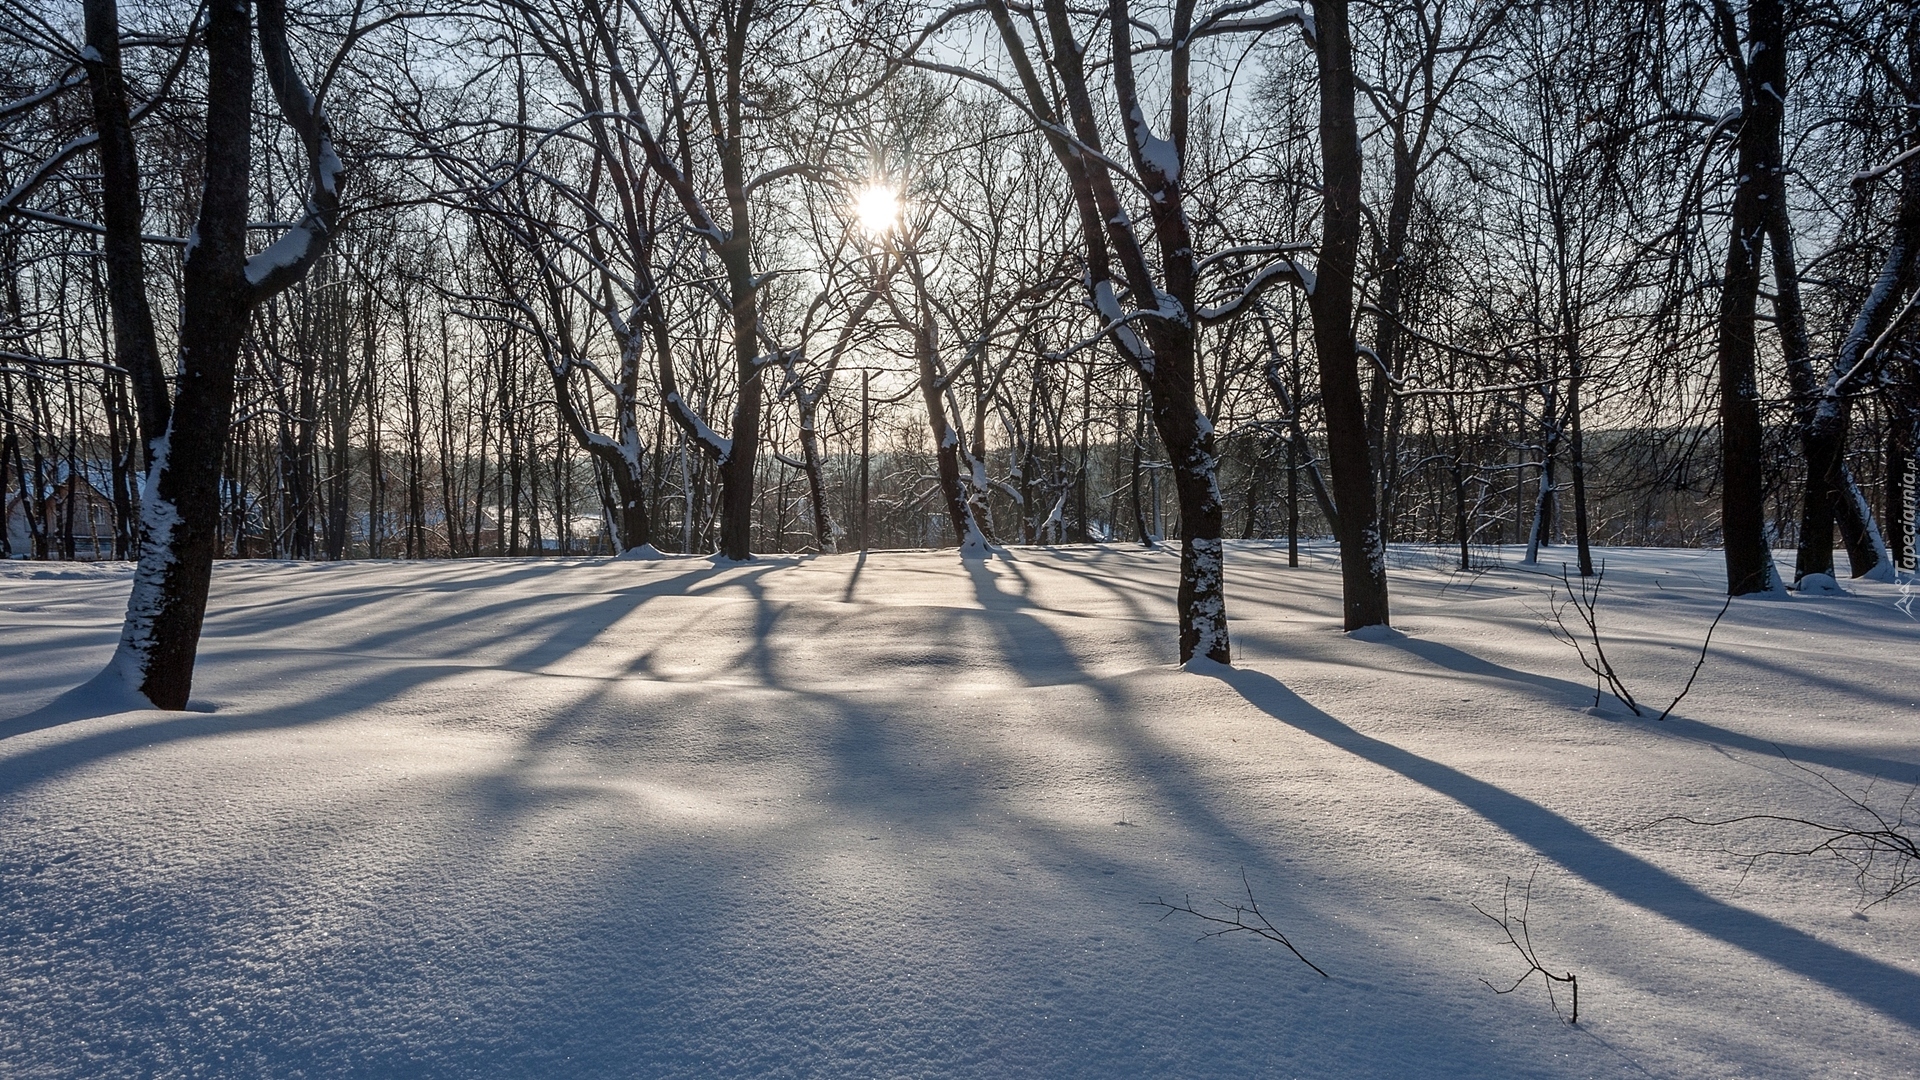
946, 437
1749, 556
178, 509
1831, 490
1363, 567
1541, 533
1460, 530
134, 344
1577, 452
1189, 440
823, 526
220, 286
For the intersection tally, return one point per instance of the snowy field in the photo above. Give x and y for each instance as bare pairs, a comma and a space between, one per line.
896, 816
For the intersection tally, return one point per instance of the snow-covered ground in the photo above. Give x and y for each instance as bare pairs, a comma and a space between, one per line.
895, 815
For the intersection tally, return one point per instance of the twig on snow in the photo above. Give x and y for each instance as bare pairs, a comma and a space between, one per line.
1585, 602
1236, 920
1868, 845
1523, 944
1700, 663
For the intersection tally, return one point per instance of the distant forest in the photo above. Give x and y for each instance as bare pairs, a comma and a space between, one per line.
361, 279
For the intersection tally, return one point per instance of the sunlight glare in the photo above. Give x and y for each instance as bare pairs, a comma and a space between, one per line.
878, 208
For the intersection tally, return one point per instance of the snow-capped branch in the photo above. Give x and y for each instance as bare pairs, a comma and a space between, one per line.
1867, 176
1221, 22
34, 360
1247, 250
696, 428
40, 174
1047, 126
1269, 275
287, 259
97, 229
798, 168
74, 77
14, 200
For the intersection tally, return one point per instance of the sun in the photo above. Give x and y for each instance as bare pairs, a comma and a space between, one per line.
878, 208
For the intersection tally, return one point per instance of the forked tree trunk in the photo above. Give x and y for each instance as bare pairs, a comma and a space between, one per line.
1821, 504
1832, 492
624, 459
948, 453
180, 505
220, 287
1162, 350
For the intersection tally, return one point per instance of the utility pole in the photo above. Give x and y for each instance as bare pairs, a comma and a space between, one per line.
866, 451
1293, 504
1293, 461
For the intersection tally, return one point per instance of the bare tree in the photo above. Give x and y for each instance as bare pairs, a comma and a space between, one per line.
221, 287
1892, 50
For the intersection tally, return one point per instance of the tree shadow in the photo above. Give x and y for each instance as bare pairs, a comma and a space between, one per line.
106, 694
1561, 691
46, 762
1032, 648
558, 634
1883, 987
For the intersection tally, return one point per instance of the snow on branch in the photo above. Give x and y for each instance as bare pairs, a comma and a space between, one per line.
1247, 250
1224, 20
10, 203
1277, 271
1867, 176
78, 225
287, 259
36, 360
45, 94
1117, 318
696, 428
1050, 127
798, 168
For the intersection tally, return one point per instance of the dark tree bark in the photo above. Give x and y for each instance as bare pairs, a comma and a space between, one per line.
1832, 493
1577, 452
1825, 498
221, 286
722, 79
1743, 523
1363, 566
946, 441
934, 381
135, 349
1159, 338
169, 597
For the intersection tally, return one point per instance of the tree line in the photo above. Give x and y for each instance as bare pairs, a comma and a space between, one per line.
358, 279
